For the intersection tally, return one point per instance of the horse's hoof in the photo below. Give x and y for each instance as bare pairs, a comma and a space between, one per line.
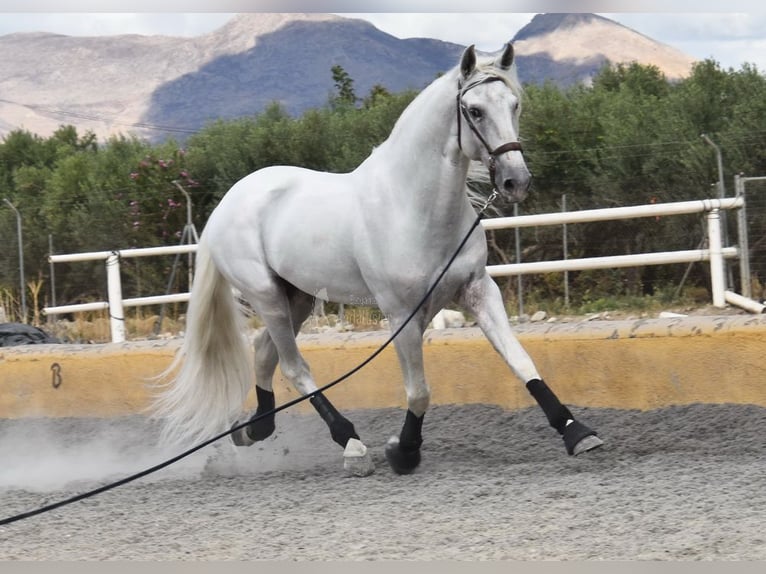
356, 460
401, 461
578, 438
588, 443
256, 431
240, 437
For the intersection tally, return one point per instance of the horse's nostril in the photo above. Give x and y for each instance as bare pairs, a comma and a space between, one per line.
517, 184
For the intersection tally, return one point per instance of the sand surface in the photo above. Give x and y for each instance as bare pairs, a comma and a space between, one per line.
681, 483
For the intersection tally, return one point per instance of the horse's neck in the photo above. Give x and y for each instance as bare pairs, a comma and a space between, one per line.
424, 165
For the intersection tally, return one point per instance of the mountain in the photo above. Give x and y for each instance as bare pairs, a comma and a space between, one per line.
572, 48
292, 65
157, 86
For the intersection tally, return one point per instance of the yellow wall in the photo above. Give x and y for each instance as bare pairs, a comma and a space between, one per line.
627, 364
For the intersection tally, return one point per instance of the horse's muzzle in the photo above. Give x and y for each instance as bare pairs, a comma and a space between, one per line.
515, 187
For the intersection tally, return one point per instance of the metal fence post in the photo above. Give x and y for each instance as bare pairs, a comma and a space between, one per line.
565, 243
22, 280
717, 274
114, 289
519, 279
744, 248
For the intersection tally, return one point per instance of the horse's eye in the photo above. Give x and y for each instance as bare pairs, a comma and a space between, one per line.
476, 113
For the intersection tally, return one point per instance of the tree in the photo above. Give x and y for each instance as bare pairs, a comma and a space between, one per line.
344, 88
639, 79
377, 94
631, 137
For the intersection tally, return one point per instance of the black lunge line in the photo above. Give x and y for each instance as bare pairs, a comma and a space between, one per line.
272, 412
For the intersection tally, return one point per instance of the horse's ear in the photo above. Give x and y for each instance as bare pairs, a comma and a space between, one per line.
468, 62
505, 60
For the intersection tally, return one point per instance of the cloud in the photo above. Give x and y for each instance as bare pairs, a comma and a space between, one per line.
730, 38
496, 28
695, 27
730, 54
102, 24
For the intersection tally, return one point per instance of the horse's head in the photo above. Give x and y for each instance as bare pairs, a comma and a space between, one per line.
489, 105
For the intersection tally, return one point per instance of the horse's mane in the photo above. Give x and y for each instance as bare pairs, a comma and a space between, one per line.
485, 64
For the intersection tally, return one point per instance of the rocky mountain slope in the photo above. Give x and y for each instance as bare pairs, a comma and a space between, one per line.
157, 86
570, 48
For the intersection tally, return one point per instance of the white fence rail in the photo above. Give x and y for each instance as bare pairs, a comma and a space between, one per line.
116, 304
715, 254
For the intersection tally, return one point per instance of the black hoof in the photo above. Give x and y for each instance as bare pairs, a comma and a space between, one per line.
578, 438
258, 430
401, 460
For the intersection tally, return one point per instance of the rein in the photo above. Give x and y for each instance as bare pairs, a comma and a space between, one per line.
462, 112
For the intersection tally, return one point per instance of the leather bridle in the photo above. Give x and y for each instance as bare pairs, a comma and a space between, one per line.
462, 112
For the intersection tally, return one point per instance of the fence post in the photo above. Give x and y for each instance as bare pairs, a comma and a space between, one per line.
565, 243
22, 280
717, 274
519, 279
52, 272
114, 289
744, 248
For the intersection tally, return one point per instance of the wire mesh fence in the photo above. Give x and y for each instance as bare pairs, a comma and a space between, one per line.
559, 290
553, 291
754, 191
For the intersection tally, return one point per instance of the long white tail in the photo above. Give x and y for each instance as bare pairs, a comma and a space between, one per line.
204, 395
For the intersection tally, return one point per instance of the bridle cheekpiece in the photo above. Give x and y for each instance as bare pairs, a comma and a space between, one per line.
462, 112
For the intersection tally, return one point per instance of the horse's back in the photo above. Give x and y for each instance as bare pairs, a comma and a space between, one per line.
296, 222
271, 194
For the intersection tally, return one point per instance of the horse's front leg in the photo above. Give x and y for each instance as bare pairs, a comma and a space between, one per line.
483, 299
403, 452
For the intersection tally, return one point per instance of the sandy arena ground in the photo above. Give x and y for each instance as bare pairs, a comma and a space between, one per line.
681, 483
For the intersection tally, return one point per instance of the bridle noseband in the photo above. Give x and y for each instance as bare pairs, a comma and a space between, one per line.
462, 110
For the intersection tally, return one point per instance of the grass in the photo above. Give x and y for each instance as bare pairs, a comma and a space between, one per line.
95, 327
662, 300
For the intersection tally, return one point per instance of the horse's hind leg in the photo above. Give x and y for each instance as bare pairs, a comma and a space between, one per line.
283, 308
266, 361
482, 298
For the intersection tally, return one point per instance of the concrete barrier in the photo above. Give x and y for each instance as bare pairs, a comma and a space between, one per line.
641, 364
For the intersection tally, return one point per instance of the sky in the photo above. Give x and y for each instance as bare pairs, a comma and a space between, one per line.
732, 32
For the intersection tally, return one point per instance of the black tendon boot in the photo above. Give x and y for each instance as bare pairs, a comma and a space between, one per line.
260, 428
341, 429
403, 452
578, 438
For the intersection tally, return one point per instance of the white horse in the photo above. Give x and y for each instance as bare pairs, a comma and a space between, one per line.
381, 233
